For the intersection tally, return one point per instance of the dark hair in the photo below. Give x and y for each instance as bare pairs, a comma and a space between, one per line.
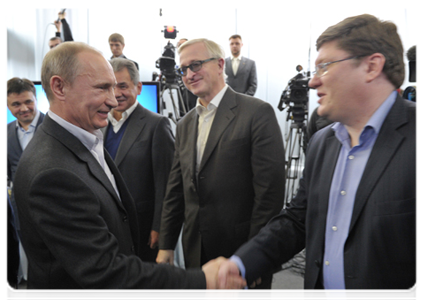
19, 85
365, 35
235, 36
56, 38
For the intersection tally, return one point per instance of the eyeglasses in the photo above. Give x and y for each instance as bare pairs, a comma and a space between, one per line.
322, 69
195, 66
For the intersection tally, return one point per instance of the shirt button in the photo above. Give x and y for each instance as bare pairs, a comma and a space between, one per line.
343, 193
351, 157
334, 228
327, 263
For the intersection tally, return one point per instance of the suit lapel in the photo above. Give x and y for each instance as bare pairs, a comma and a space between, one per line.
384, 149
14, 140
224, 116
241, 66
229, 69
79, 150
133, 130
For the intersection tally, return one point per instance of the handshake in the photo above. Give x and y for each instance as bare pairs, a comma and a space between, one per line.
222, 273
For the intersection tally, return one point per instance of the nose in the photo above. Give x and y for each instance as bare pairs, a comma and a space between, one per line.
314, 82
111, 99
23, 107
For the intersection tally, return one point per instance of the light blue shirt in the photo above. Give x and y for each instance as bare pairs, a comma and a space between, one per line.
348, 172
346, 178
25, 136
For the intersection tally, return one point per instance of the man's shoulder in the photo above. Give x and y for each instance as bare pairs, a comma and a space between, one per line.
11, 125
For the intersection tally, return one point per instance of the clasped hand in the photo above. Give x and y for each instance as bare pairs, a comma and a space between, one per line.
222, 273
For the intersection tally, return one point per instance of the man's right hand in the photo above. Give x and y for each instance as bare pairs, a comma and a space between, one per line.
165, 257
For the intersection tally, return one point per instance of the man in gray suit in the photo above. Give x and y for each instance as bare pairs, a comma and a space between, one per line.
21, 99
228, 172
241, 71
141, 143
78, 220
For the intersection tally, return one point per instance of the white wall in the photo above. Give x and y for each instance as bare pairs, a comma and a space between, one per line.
278, 35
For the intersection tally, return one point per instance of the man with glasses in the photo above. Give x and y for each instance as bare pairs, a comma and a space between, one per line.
228, 171
355, 209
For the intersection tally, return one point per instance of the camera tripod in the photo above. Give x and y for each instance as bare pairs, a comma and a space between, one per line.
178, 109
295, 158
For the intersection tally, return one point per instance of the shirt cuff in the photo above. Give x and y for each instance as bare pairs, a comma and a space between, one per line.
240, 266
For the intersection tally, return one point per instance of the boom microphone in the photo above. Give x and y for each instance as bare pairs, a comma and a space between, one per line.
63, 10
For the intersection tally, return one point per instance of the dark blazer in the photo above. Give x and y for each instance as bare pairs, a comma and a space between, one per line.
240, 181
144, 159
14, 149
380, 251
14, 153
245, 80
76, 231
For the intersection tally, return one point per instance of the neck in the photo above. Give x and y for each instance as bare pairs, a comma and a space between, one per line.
25, 125
117, 115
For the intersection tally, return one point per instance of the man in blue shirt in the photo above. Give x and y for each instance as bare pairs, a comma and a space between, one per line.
355, 208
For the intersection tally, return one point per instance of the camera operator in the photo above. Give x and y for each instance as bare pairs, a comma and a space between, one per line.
67, 34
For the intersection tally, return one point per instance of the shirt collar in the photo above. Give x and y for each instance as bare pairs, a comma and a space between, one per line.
89, 140
214, 103
125, 114
233, 57
375, 122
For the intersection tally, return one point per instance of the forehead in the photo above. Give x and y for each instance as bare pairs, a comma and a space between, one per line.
123, 75
95, 66
24, 96
330, 51
197, 51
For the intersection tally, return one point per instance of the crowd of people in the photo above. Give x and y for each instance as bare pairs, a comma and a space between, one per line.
100, 187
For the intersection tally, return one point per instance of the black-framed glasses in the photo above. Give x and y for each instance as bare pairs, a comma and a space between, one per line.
195, 66
322, 69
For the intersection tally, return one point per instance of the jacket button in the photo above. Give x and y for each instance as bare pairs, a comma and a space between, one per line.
125, 218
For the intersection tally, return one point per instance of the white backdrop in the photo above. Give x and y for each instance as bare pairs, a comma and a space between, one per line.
278, 35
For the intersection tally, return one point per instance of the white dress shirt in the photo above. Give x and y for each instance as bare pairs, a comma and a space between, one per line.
125, 115
93, 142
205, 120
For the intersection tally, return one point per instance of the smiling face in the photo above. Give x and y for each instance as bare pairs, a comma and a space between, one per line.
206, 82
126, 91
340, 89
90, 97
23, 107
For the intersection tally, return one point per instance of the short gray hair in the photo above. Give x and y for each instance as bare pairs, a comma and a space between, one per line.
214, 49
63, 61
119, 63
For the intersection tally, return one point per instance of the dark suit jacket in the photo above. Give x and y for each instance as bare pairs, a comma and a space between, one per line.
240, 182
76, 232
144, 159
245, 80
380, 251
14, 149
14, 153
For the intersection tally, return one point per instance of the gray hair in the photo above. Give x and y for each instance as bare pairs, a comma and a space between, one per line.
119, 63
63, 61
214, 49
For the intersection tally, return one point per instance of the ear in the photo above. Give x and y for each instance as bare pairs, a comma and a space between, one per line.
221, 64
139, 87
375, 64
57, 86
